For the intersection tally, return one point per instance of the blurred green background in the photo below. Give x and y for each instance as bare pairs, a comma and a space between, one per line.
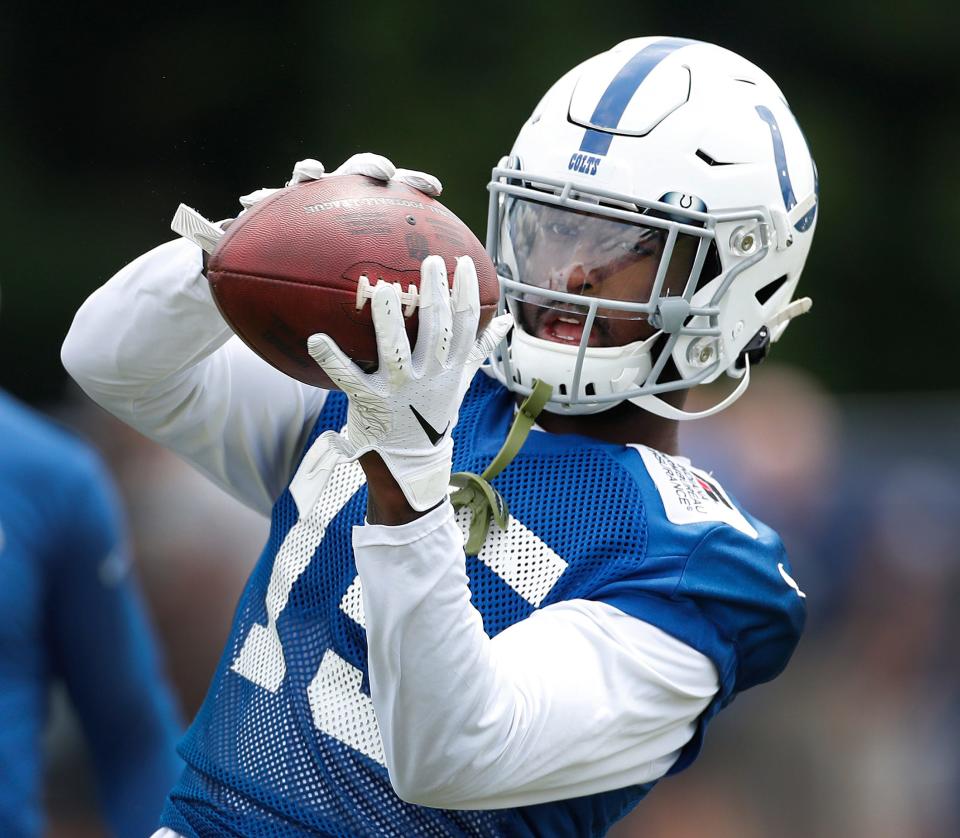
113, 115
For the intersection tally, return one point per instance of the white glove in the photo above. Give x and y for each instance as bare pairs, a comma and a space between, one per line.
190, 224
365, 163
407, 409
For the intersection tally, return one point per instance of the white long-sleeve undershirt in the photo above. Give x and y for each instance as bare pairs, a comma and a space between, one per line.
577, 698
151, 348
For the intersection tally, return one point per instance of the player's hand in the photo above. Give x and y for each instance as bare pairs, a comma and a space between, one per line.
205, 234
407, 409
365, 163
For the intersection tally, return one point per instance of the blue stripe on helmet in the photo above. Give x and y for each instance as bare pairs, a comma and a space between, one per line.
786, 187
596, 142
620, 91
780, 157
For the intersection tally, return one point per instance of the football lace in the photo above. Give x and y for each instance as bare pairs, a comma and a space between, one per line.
409, 299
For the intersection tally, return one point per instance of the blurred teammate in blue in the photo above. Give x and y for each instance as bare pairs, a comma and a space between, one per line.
383, 675
72, 613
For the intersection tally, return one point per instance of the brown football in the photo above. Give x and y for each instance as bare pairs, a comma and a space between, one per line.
305, 259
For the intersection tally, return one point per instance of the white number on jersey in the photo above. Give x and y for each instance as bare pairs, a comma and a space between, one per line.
340, 708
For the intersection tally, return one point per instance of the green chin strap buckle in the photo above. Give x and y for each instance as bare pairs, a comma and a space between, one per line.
474, 490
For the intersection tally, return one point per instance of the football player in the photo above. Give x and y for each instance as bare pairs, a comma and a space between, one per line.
385, 678
73, 614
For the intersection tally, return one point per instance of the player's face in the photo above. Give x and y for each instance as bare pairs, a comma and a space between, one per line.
591, 257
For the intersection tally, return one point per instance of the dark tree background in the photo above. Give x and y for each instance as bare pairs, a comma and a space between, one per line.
112, 115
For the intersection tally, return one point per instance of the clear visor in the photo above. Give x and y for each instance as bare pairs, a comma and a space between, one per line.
563, 261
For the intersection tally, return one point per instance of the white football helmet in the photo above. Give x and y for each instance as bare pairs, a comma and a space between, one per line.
649, 227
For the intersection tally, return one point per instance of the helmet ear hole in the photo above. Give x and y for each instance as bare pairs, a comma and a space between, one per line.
767, 291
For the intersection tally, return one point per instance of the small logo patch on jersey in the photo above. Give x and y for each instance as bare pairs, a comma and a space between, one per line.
691, 496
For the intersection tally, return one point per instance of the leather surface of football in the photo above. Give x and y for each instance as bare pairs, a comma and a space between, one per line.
306, 259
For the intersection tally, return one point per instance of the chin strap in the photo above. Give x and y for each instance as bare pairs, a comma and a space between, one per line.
474, 490
657, 406
778, 323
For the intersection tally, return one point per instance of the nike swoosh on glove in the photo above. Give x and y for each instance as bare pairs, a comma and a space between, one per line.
407, 409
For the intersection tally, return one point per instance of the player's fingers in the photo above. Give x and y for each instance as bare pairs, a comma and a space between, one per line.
420, 180
393, 348
465, 302
435, 331
369, 164
332, 360
304, 170
491, 337
251, 198
466, 287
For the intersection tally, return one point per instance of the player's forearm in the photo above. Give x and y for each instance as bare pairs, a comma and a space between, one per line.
152, 321
426, 644
577, 698
150, 347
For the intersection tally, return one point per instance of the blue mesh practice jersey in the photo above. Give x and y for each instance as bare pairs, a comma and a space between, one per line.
70, 611
292, 748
